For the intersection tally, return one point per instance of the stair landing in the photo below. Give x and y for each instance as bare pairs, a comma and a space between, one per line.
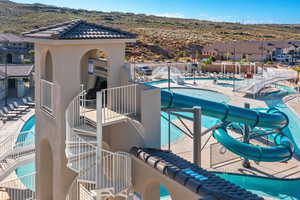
108, 116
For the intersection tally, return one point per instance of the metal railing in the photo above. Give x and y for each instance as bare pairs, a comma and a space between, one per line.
118, 102
16, 150
21, 188
16, 144
113, 175
47, 95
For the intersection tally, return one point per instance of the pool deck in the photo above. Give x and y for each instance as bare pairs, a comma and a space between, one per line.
184, 145
9, 128
294, 105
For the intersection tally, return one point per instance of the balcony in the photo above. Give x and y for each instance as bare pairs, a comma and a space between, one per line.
47, 96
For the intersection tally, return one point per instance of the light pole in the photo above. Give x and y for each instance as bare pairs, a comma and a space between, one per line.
6, 83
169, 76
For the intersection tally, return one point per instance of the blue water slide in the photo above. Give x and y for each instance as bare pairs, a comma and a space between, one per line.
273, 119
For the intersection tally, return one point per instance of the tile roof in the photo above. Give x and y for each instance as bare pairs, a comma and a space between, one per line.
192, 176
9, 37
78, 29
16, 70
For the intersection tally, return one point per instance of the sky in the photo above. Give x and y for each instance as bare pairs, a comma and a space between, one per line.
242, 11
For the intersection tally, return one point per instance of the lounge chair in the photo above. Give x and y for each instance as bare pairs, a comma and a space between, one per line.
20, 106
9, 114
2, 115
27, 103
16, 108
13, 109
30, 100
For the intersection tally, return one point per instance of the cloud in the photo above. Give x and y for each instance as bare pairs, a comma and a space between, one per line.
171, 15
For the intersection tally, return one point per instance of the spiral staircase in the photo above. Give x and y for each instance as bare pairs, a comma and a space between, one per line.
101, 174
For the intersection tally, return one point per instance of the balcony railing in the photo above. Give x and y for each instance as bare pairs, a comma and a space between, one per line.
47, 95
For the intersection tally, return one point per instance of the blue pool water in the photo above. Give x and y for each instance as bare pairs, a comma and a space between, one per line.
275, 188
26, 137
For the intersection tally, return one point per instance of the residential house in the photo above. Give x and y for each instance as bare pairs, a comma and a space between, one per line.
251, 50
15, 49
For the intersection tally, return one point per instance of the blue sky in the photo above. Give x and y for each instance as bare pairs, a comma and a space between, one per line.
243, 11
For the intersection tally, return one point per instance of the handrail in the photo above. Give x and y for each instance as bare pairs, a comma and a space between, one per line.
118, 102
20, 188
115, 167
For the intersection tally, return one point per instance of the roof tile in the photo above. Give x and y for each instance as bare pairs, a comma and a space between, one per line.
78, 29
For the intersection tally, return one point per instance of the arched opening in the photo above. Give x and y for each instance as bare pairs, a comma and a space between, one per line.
9, 58
155, 190
47, 68
94, 72
45, 171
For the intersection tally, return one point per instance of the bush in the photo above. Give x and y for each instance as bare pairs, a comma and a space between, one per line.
212, 58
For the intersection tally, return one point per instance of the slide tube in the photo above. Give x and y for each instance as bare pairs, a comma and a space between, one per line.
272, 119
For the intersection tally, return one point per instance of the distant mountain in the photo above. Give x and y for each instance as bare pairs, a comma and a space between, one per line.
159, 37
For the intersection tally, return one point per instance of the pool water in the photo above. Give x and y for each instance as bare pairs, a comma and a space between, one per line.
26, 137
275, 188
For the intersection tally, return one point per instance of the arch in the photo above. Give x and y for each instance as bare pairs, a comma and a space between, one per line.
47, 67
94, 78
9, 58
46, 170
156, 190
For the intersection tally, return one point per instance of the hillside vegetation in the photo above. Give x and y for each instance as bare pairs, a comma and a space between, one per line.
159, 38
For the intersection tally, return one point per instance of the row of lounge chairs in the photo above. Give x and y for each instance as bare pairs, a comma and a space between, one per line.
214, 74
13, 110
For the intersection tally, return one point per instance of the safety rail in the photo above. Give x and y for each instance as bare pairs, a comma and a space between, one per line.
47, 95
16, 144
115, 172
107, 174
21, 188
117, 102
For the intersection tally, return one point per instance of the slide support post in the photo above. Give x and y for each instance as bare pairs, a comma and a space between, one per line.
246, 162
197, 136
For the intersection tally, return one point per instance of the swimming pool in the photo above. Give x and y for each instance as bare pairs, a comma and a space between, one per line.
27, 137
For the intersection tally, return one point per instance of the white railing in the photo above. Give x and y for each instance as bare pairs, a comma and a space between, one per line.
75, 115
118, 101
113, 176
81, 190
21, 188
115, 172
15, 145
47, 95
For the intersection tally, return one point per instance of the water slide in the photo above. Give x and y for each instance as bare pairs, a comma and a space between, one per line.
273, 119
270, 75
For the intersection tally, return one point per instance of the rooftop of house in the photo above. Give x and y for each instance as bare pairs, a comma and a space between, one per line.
9, 37
254, 47
78, 29
16, 70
